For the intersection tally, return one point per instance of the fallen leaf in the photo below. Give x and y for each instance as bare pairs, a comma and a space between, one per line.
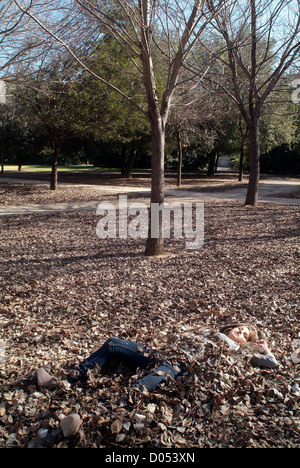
116, 427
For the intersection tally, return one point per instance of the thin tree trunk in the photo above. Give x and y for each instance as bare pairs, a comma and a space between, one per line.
155, 245
242, 151
217, 162
130, 162
241, 164
53, 183
179, 171
212, 163
252, 192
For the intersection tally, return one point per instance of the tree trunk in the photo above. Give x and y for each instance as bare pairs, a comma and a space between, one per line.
242, 150
53, 183
179, 171
242, 155
123, 159
217, 161
241, 164
155, 245
130, 162
212, 163
252, 193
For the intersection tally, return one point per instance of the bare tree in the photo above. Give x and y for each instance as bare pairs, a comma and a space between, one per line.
21, 43
199, 121
10, 21
256, 42
157, 35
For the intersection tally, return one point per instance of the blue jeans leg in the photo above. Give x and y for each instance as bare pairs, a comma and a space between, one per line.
115, 349
151, 381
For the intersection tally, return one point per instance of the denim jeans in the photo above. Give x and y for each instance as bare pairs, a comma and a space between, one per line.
133, 355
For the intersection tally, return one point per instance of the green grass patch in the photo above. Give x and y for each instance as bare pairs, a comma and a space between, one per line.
84, 168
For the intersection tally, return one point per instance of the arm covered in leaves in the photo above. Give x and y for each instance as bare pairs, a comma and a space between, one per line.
261, 360
267, 359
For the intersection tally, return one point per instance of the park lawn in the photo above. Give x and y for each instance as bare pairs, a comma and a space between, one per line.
72, 168
45, 168
64, 292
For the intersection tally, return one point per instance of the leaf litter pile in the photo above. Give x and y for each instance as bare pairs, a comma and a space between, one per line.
65, 292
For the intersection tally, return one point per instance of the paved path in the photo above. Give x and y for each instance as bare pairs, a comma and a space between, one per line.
268, 193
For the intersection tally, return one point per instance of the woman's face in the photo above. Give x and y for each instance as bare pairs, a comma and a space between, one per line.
240, 335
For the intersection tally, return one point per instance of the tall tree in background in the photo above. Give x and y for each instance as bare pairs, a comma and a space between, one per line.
58, 108
258, 44
157, 36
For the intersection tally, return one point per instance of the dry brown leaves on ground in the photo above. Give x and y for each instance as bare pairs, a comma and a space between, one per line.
64, 292
23, 194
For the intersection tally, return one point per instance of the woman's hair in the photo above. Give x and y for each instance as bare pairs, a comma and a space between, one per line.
253, 337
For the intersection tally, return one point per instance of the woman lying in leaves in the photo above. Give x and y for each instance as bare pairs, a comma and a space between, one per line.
116, 350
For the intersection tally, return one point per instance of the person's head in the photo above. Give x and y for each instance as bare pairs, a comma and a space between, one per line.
240, 333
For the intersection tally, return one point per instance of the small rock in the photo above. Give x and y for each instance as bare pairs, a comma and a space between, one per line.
296, 356
44, 379
70, 425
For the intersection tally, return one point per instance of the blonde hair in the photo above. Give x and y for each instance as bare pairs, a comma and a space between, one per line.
253, 334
